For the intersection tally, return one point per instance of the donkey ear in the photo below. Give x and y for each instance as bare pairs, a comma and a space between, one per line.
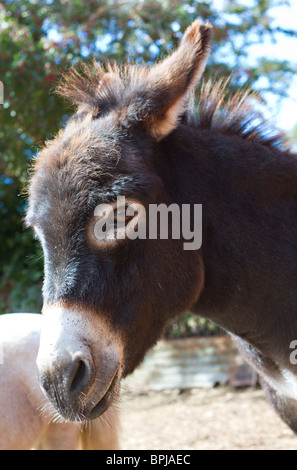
93, 89
172, 81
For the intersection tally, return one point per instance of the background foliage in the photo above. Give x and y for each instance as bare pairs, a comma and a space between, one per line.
39, 39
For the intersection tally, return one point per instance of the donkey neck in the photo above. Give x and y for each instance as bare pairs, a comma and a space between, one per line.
248, 194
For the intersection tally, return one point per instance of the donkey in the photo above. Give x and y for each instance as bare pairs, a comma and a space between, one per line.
27, 420
136, 134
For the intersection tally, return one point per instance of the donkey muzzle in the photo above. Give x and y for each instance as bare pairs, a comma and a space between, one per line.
78, 363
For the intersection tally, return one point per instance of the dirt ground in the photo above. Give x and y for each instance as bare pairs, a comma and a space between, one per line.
210, 419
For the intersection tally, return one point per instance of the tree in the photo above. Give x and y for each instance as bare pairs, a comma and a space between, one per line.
40, 39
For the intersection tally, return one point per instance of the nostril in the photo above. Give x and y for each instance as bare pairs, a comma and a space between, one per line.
81, 377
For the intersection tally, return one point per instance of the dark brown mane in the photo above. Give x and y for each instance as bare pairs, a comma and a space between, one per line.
98, 90
233, 114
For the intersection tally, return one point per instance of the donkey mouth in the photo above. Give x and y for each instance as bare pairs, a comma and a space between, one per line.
106, 400
91, 407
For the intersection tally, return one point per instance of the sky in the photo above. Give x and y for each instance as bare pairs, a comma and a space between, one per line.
286, 48
284, 113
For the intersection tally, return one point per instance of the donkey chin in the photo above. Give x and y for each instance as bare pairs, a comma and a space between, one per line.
79, 362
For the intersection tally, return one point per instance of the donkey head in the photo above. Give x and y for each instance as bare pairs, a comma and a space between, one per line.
106, 300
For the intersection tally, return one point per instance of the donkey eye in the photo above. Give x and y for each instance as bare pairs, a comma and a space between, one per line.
118, 221
120, 216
